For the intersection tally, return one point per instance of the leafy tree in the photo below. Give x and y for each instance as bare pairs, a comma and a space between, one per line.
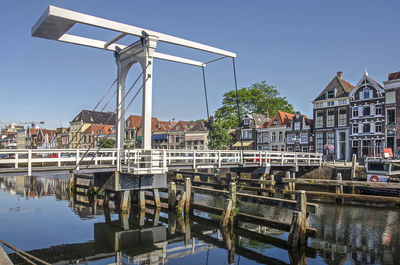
107, 143
1, 146
219, 136
253, 99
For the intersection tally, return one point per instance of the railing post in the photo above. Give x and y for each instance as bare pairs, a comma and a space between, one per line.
77, 159
16, 160
219, 159
194, 159
309, 158
164, 159
282, 154
295, 159
241, 157
29, 162
260, 157
59, 159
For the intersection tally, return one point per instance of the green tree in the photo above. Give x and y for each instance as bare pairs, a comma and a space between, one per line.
219, 136
253, 99
107, 143
1, 146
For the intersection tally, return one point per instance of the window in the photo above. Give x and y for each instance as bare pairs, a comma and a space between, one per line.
304, 149
378, 127
355, 128
319, 105
297, 126
297, 149
280, 136
355, 143
177, 139
320, 119
367, 93
319, 142
259, 137
290, 139
366, 128
331, 103
343, 102
246, 122
378, 166
342, 117
330, 93
331, 118
331, 138
304, 138
265, 137
273, 136
366, 111
275, 122
355, 112
378, 109
391, 116
290, 149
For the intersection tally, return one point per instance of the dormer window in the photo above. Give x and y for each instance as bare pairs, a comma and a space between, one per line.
275, 122
330, 93
246, 122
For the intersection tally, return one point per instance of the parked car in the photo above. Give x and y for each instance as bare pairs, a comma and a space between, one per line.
53, 156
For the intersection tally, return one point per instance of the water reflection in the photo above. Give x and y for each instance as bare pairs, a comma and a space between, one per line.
360, 234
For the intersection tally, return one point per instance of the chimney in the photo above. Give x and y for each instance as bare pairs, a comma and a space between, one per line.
340, 75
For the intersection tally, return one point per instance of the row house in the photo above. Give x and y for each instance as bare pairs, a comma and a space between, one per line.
246, 133
392, 110
86, 118
176, 136
95, 133
159, 137
133, 130
299, 134
276, 129
367, 122
196, 138
40, 138
62, 135
331, 115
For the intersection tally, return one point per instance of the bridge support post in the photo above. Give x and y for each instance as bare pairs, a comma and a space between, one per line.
125, 201
353, 166
339, 188
156, 197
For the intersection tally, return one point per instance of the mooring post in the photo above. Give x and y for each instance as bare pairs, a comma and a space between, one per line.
233, 197
171, 222
196, 178
181, 203
156, 197
287, 185
171, 195
188, 190
353, 166
339, 187
179, 176
297, 234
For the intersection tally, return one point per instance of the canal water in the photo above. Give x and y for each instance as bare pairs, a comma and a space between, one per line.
39, 216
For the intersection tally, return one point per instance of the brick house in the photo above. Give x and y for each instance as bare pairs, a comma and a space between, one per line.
392, 110
299, 135
331, 115
367, 101
246, 133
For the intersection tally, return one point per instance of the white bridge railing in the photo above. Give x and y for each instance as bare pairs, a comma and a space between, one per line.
138, 161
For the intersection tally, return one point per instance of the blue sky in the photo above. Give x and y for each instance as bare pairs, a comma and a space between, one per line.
298, 46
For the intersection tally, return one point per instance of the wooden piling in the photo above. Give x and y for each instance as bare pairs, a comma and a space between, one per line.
196, 178
181, 203
142, 200
225, 216
297, 235
287, 186
156, 196
188, 190
125, 204
339, 188
353, 166
179, 176
171, 195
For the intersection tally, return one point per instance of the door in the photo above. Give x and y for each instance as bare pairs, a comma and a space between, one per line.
342, 146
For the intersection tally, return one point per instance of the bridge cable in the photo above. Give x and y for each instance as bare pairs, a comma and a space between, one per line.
107, 91
129, 90
108, 135
205, 92
237, 102
119, 105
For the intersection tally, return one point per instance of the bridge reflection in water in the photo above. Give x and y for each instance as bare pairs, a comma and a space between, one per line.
368, 234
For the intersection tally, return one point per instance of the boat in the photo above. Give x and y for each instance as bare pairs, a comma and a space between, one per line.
382, 170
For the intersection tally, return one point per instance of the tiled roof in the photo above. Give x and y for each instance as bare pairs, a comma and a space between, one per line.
342, 91
199, 127
95, 117
394, 76
282, 118
182, 126
100, 128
